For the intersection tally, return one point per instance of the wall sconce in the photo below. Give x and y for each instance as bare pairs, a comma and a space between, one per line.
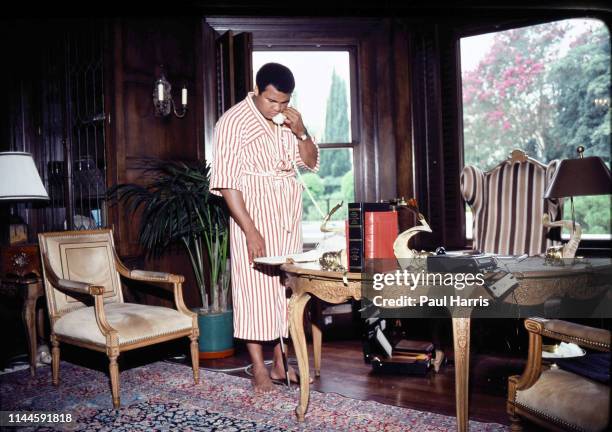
162, 97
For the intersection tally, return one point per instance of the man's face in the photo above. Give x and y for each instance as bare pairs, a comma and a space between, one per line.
271, 101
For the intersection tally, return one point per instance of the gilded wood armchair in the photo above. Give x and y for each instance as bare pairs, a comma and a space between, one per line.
555, 398
81, 272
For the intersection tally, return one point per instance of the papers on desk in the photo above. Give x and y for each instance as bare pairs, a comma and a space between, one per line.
304, 257
563, 350
516, 258
330, 243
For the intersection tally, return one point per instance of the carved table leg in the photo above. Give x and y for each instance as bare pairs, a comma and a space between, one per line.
461, 342
29, 318
317, 324
296, 327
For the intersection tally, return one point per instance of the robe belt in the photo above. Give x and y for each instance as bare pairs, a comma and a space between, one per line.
285, 207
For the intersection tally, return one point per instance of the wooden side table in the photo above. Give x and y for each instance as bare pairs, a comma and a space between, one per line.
20, 260
21, 278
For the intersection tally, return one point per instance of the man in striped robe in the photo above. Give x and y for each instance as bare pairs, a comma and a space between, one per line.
253, 168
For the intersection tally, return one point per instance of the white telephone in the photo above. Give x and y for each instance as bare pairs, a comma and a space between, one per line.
279, 119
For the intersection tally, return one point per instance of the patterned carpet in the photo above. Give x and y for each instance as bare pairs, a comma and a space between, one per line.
162, 396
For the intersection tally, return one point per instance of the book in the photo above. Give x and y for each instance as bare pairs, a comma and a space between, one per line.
414, 346
372, 229
381, 229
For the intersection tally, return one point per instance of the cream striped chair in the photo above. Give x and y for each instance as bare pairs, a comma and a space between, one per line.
508, 203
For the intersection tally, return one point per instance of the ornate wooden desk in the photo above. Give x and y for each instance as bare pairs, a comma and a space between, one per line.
536, 285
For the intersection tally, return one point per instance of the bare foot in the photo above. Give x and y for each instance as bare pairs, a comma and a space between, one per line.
278, 373
261, 380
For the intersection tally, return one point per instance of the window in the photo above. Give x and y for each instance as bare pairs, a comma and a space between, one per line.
323, 96
546, 90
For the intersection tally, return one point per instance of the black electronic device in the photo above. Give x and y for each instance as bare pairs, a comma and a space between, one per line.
461, 263
402, 357
498, 283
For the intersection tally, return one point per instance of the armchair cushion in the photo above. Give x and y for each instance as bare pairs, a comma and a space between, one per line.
579, 403
133, 322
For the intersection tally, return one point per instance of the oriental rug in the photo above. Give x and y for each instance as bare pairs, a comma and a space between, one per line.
162, 396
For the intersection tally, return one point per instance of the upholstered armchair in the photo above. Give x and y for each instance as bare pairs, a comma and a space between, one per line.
555, 398
81, 274
508, 204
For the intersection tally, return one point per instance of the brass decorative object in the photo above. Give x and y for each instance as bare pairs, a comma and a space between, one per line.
333, 255
569, 249
334, 261
554, 255
405, 256
328, 217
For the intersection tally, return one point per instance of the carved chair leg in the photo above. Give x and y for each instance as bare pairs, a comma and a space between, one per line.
114, 378
55, 360
516, 425
195, 359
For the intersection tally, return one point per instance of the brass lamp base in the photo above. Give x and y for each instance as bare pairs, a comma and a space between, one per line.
556, 254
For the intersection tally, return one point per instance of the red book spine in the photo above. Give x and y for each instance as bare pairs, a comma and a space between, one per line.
380, 231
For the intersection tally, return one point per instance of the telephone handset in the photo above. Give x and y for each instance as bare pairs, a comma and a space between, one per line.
279, 119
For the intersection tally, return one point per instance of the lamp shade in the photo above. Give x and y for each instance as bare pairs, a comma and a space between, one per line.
582, 176
19, 178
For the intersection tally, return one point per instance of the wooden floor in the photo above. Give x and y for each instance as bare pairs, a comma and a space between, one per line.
343, 371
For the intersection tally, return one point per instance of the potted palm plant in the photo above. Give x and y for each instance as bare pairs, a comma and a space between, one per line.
177, 208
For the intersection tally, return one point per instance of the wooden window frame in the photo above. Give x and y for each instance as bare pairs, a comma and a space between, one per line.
444, 144
361, 36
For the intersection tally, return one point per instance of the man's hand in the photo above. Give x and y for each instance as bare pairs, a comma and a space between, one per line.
308, 150
256, 245
294, 121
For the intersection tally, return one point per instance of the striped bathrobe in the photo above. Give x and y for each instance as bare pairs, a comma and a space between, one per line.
255, 158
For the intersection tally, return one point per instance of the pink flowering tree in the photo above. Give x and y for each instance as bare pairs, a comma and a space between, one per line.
544, 89
507, 101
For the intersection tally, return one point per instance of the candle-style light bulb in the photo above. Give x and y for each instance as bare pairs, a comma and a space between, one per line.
160, 91
184, 96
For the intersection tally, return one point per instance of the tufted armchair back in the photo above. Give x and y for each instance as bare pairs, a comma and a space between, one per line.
508, 203
79, 256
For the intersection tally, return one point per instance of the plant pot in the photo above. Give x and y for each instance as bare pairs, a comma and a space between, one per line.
216, 334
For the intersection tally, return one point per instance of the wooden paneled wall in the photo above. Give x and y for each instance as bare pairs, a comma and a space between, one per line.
139, 47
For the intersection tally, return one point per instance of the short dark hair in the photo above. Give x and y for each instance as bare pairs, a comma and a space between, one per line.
276, 74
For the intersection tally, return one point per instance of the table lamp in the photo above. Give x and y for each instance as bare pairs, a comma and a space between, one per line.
19, 182
577, 177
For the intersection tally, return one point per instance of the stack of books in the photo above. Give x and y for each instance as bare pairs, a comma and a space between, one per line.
372, 229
